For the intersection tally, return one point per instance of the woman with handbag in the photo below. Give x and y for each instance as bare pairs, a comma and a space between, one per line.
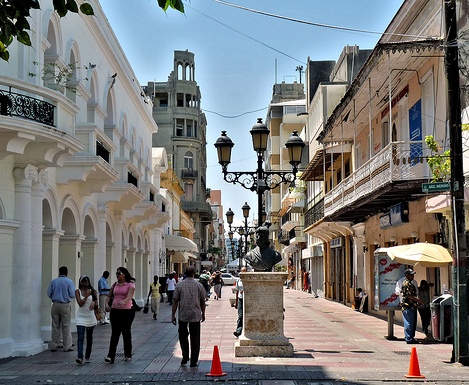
155, 296
87, 300
122, 314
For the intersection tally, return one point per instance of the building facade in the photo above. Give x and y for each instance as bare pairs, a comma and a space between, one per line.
182, 132
78, 184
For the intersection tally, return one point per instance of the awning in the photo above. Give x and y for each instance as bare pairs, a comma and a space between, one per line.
425, 254
179, 257
181, 244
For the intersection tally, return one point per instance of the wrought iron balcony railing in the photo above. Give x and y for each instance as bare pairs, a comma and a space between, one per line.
397, 162
14, 104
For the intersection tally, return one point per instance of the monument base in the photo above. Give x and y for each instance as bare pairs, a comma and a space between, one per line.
263, 348
263, 317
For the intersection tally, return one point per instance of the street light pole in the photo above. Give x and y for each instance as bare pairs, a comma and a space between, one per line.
260, 180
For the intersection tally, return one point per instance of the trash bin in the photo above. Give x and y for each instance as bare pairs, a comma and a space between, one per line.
442, 317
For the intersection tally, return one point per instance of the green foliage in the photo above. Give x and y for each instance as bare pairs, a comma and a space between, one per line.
14, 14
62, 76
440, 162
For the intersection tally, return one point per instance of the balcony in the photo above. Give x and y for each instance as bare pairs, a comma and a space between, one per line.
203, 208
189, 174
27, 107
393, 175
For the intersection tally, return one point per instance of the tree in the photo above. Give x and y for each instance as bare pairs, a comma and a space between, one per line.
14, 18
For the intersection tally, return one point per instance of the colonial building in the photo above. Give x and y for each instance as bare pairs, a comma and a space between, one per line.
182, 132
78, 184
369, 163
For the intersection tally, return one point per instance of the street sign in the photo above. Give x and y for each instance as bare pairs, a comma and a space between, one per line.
435, 187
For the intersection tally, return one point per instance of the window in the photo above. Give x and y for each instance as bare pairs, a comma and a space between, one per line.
188, 191
188, 160
179, 127
385, 133
189, 129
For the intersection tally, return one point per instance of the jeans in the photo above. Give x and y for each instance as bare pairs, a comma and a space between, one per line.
239, 324
192, 329
170, 296
121, 323
409, 316
81, 338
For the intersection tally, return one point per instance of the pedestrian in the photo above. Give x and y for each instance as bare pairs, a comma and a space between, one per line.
170, 286
217, 283
122, 314
155, 296
291, 281
424, 309
61, 291
204, 279
239, 305
103, 289
87, 300
189, 302
410, 302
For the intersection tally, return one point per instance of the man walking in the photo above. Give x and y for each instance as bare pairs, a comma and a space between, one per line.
103, 290
189, 300
61, 290
239, 305
410, 302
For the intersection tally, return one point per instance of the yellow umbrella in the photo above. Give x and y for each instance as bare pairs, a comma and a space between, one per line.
425, 254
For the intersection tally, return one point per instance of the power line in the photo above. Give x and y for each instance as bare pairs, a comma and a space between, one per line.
317, 24
233, 116
245, 35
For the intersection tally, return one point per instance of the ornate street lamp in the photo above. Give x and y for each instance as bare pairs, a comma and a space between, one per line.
259, 180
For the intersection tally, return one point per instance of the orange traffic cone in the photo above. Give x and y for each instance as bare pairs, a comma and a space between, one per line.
216, 370
414, 368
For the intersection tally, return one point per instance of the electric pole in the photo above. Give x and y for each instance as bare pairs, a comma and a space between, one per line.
460, 303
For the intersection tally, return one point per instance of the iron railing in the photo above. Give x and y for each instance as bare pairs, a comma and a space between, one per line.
14, 104
398, 161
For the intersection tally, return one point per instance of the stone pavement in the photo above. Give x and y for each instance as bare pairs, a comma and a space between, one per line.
332, 343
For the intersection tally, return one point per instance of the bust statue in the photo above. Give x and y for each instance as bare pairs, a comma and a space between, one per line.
262, 257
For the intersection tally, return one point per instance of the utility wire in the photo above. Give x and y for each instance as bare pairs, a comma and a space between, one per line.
317, 24
245, 35
233, 116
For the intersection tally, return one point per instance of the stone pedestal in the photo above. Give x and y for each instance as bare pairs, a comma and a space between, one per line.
263, 317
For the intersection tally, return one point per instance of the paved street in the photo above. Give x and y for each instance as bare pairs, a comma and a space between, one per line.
332, 343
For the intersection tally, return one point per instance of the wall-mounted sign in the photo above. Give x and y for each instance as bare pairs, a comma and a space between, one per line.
396, 215
336, 242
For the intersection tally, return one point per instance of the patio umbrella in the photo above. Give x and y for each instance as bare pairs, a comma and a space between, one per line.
425, 254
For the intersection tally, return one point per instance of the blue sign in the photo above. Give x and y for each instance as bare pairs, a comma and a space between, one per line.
415, 131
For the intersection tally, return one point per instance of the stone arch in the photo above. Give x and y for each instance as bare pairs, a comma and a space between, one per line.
70, 216
109, 98
74, 64
50, 211
53, 33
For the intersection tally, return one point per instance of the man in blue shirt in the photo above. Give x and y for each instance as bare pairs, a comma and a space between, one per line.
103, 289
61, 290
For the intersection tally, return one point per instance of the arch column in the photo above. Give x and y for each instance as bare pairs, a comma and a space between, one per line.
50, 270
100, 260
25, 281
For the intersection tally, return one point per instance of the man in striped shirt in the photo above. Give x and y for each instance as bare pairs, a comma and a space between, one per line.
189, 300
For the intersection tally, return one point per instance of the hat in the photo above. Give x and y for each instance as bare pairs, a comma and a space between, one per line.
409, 271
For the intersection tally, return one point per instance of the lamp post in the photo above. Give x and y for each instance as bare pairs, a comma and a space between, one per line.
241, 230
259, 180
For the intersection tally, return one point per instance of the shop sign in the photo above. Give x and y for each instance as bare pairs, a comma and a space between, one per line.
336, 242
396, 215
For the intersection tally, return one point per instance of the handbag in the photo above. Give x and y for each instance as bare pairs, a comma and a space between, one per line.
146, 308
97, 314
111, 298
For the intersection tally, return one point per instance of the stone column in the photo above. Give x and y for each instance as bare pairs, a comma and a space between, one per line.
263, 317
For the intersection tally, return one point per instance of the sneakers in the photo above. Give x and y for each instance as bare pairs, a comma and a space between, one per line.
236, 334
154, 315
69, 350
87, 360
127, 359
184, 362
79, 361
109, 359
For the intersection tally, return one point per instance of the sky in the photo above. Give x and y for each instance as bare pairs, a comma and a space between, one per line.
239, 55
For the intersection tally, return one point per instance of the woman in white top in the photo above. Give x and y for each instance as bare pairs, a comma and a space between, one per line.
87, 300
170, 286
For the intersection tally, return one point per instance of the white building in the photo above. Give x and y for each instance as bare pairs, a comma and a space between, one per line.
76, 168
